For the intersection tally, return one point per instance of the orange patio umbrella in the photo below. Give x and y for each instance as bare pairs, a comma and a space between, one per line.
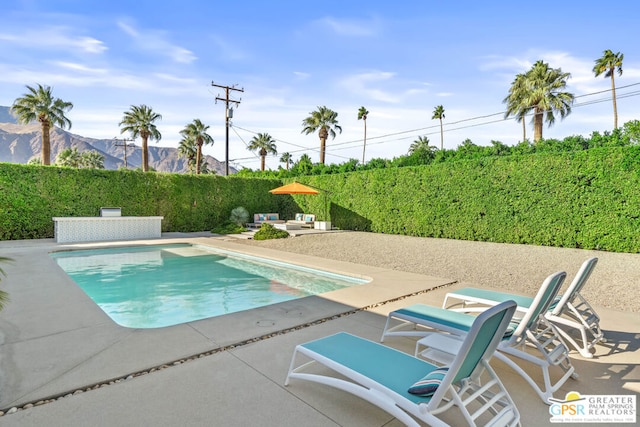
294, 188
297, 188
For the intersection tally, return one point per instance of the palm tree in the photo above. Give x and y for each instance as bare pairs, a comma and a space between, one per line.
188, 150
362, 115
542, 93
420, 144
325, 122
438, 113
40, 105
197, 131
265, 144
92, 160
608, 64
69, 157
514, 108
139, 121
287, 159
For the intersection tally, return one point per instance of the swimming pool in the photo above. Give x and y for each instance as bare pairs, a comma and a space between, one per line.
164, 285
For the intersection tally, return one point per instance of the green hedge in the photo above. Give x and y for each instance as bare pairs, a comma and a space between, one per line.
586, 199
31, 195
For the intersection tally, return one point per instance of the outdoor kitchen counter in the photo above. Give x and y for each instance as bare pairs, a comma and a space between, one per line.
91, 229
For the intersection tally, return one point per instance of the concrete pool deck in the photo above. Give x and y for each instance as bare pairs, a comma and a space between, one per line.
57, 342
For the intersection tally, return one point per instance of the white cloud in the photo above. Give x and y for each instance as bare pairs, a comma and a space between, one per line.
57, 37
301, 75
91, 45
156, 42
128, 29
73, 66
358, 28
380, 86
229, 51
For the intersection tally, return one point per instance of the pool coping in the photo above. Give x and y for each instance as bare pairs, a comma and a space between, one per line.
55, 339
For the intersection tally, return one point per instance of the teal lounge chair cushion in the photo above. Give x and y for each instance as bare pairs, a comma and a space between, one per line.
299, 217
428, 385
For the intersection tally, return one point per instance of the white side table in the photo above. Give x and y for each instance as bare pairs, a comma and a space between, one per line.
438, 348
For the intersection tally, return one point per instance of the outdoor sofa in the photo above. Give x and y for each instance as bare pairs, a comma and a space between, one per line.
304, 220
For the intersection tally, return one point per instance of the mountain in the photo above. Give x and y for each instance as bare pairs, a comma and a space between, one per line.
5, 116
20, 143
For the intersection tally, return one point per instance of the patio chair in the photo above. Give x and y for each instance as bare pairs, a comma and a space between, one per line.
534, 339
383, 376
569, 312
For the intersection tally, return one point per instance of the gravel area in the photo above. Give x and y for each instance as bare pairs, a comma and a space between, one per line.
614, 284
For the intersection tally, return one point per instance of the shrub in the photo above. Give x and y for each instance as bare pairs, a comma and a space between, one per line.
268, 231
239, 215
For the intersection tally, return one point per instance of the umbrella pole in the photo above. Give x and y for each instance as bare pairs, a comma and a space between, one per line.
326, 217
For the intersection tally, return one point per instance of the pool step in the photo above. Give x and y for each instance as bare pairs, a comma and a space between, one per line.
186, 251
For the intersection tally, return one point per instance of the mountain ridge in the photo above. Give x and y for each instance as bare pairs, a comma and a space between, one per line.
20, 143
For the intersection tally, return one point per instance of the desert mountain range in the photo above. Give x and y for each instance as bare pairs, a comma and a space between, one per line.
20, 143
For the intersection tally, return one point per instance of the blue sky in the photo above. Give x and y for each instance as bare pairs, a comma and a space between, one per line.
398, 59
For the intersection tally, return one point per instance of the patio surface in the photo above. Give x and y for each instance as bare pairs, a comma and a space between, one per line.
59, 352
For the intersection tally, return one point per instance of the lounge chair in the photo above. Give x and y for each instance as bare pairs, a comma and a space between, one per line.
383, 376
568, 312
534, 339
304, 220
269, 218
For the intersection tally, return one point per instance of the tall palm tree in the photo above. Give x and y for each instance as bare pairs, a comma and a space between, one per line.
264, 144
139, 121
287, 159
543, 94
197, 131
40, 105
438, 113
608, 64
325, 122
362, 115
513, 101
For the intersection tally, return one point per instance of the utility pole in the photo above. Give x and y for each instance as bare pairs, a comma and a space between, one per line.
125, 145
229, 115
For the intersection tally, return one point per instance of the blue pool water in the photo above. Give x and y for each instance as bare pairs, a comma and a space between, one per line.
156, 286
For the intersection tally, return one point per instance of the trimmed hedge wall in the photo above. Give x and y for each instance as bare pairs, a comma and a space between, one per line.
586, 199
31, 195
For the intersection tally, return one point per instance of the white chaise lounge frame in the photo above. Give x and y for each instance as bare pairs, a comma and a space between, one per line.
570, 311
382, 375
534, 340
